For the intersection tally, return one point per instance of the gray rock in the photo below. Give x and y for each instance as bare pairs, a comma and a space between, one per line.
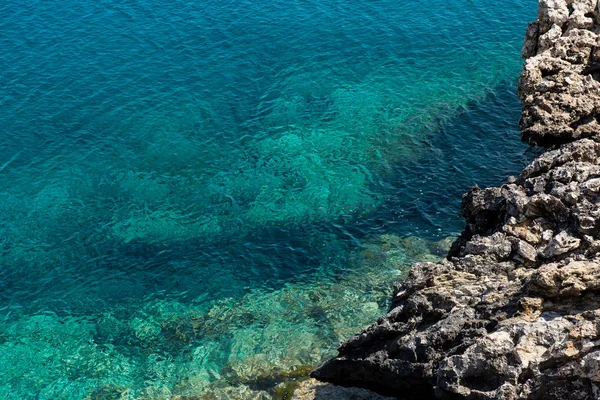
527, 251
547, 39
560, 244
559, 86
546, 205
514, 312
552, 12
495, 246
590, 366
312, 389
530, 45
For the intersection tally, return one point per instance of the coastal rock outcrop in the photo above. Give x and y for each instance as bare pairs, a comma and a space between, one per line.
514, 310
312, 389
560, 83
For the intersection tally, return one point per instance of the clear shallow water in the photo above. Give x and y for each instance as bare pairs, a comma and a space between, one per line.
200, 198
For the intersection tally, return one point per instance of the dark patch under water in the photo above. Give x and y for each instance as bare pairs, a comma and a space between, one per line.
421, 198
204, 197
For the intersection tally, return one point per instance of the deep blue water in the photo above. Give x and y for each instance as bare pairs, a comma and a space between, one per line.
200, 197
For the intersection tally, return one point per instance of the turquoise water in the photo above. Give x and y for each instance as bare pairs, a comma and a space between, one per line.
204, 198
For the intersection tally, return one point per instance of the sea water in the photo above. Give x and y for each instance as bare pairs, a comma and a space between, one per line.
201, 199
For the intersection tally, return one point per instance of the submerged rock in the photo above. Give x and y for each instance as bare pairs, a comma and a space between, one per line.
513, 312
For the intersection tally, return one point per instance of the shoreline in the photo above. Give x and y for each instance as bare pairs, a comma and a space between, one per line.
511, 313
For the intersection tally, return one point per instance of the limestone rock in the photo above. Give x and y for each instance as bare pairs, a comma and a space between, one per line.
530, 45
560, 244
552, 12
547, 39
570, 280
526, 250
496, 246
514, 310
314, 390
559, 87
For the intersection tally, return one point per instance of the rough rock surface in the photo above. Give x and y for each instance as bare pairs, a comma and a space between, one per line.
514, 311
314, 390
559, 86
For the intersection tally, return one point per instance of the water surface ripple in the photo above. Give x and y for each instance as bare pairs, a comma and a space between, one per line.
205, 197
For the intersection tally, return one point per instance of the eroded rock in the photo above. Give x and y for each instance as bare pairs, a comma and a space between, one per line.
514, 311
559, 86
314, 390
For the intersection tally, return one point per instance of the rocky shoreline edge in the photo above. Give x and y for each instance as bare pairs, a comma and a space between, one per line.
514, 310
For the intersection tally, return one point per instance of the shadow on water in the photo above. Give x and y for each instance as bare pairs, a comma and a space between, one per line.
478, 146
422, 198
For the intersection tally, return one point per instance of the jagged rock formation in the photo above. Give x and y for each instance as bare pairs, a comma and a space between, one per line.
559, 87
514, 312
314, 390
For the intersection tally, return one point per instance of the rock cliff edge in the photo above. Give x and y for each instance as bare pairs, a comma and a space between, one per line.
514, 311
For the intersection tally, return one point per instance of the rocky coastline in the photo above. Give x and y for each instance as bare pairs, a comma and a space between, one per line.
514, 310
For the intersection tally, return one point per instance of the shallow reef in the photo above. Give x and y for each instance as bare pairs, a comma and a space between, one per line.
512, 312
201, 199
255, 346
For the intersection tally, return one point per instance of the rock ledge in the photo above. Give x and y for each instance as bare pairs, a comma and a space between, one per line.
514, 311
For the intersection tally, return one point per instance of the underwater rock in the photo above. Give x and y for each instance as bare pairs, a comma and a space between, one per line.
513, 312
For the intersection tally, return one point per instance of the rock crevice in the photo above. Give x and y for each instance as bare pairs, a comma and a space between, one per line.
514, 311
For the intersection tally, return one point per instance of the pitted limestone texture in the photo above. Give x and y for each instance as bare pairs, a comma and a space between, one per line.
513, 311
